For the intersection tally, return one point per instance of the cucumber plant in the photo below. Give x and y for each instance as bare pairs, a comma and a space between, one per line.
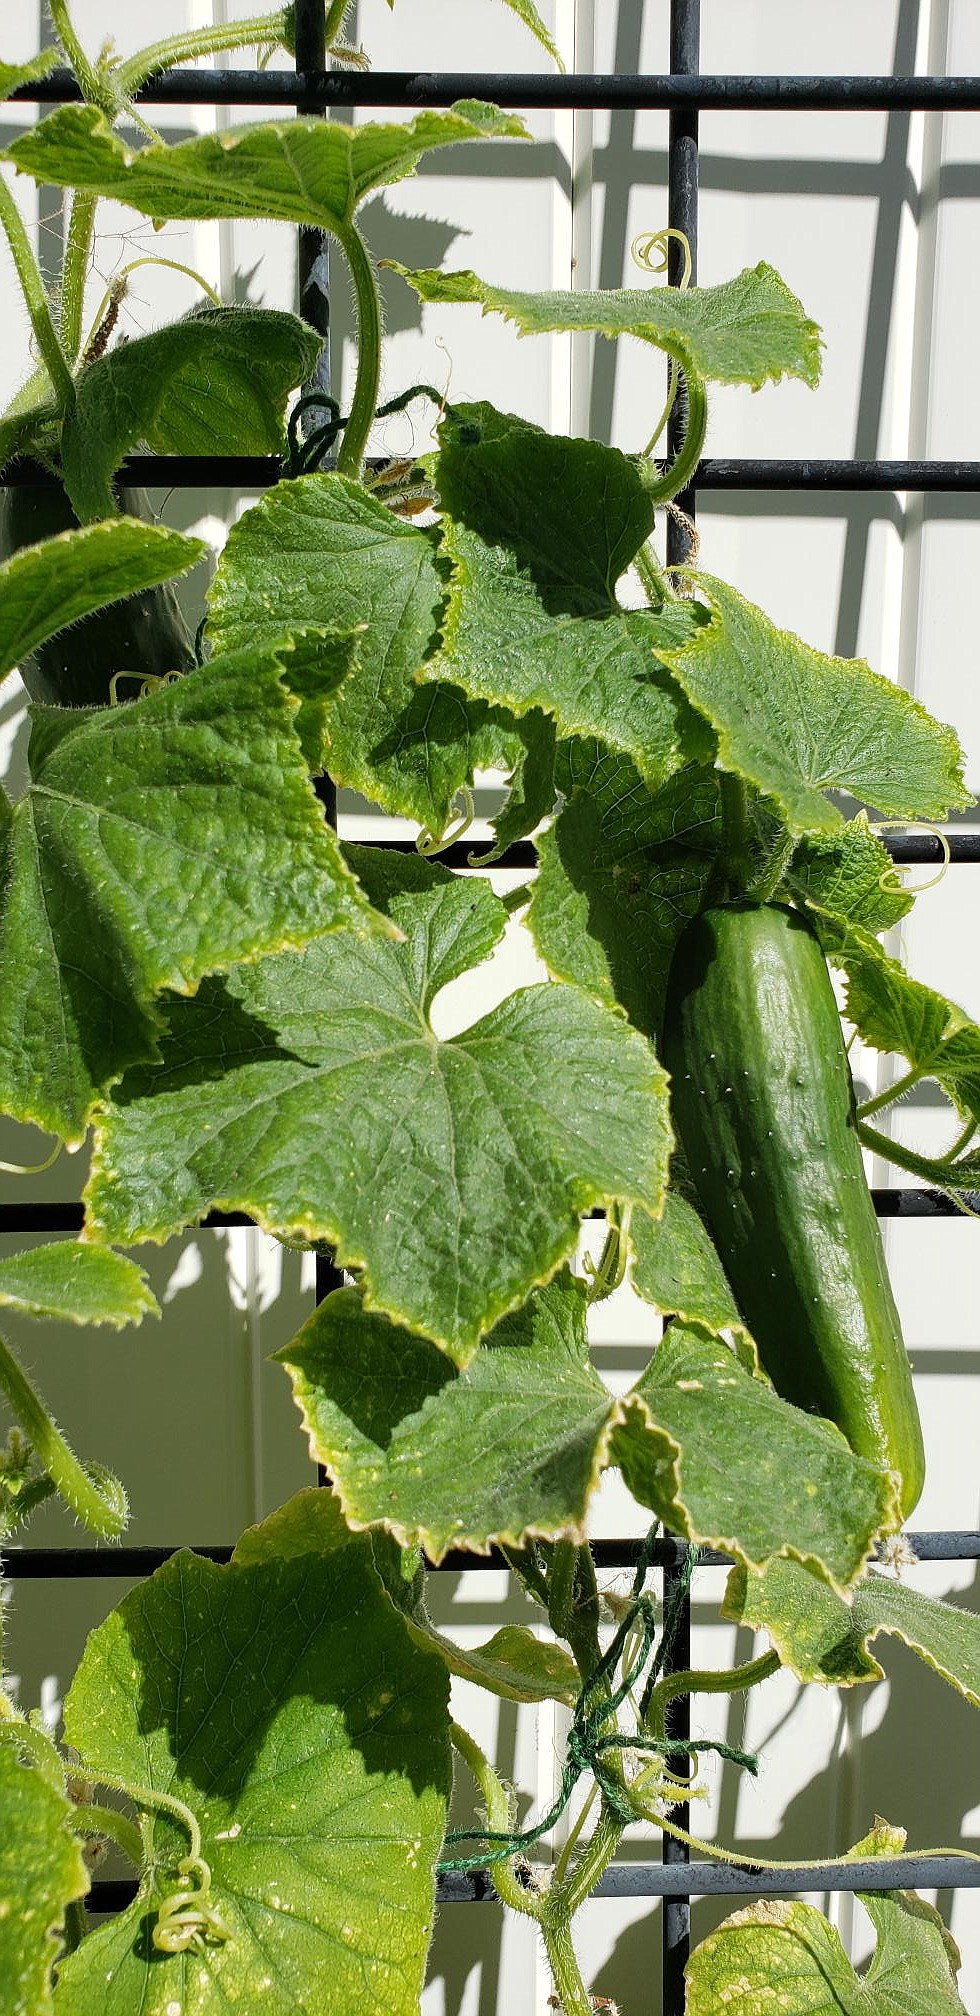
238, 1009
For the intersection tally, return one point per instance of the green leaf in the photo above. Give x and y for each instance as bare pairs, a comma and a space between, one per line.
214, 384
748, 331
302, 171
893, 1012
676, 1267
781, 1954
849, 876
320, 551
414, 1446
282, 1700
540, 530
314, 1093
620, 873
796, 723
531, 793
822, 1637
77, 1284
512, 1664
41, 1872
44, 588
527, 12
720, 1457
158, 842
13, 75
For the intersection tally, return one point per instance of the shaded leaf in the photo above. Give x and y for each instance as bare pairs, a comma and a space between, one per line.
796, 723
215, 383
893, 1012
76, 1283
314, 1093
850, 876
282, 1700
320, 551
540, 530
676, 1267
748, 331
822, 1637
415, 1447
13, 75
531, 792
46, 587
620, 873
302, 171
158, 842
721, 1458
41, 1873
782, 1954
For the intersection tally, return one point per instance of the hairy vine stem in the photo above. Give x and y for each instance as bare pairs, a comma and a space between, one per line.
365, 400
254, 32
36, 300
95, 1496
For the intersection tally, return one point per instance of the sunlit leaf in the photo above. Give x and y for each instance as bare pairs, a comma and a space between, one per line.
77, 1284
314, 1093
41, 1873
158, 842
849, 875
13, 75
215, 383
301, 171
796, 723
43, 588
747, 331
893, 1012
283, 1701
823, 1637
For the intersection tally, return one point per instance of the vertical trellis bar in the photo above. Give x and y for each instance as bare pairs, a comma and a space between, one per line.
682, 215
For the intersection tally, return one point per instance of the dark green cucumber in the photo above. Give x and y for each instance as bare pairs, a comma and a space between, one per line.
764, 1110
145, 633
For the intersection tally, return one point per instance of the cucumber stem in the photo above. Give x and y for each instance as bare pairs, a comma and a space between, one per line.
365, 400
194, 42
115, 1826
93, 88
35, 300
891, 1092
496, 1800
661, 488
729, 1680
75, 272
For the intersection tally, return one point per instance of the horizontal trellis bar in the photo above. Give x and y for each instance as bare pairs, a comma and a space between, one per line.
37, 1564
538, 90
256, 472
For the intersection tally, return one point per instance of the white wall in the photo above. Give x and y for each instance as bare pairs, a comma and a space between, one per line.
873, 220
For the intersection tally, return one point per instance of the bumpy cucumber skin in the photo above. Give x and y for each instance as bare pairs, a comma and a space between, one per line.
145, 633
764, 1108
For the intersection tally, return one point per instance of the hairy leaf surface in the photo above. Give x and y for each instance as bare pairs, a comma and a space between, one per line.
797, 723
620, 873
41, 1873
314, 1093
676, 1267
849, 876
825, 1638
77, 1284
893, 1012
282, 1700
302, 171
416, 1447
748, 331
158, 842
13, 75
214, 384
43, 588
781, 1954
320, 551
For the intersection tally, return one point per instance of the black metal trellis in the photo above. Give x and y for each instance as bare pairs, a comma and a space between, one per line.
684, 93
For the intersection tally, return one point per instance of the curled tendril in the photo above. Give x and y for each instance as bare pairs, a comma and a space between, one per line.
642, 253
429, 844
187, 1918
148, 682
33, 1168
891, 878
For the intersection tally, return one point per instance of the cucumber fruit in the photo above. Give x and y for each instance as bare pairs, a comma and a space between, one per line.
764, 1109
144, 633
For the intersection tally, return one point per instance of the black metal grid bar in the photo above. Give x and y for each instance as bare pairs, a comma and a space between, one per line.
684, 93
534, 91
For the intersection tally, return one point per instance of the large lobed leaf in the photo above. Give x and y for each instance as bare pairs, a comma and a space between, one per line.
77, 1284
893, 1012
283, 1701
747, 331
320, 551
302, 171
781, 1954
214, 384
46, 587
41, 1873
158, 842
414, 1446
314, 1094
540, 530
849, 876
823, 1637
797, 723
